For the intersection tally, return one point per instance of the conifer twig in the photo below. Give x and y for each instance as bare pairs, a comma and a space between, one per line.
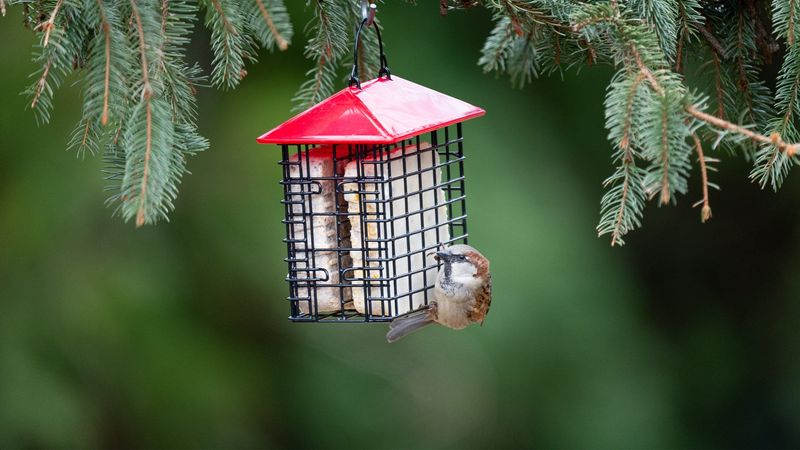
142, 50
617, 233
51, 23
712, 40
790, 22
705, 212
787, 120
718, 85
744, 83
644, 70
515, 8
40, 84
774, 139
664, 158
146, 94
624, 142
3, 8
85, 134
227, 23
279, 39
107, 32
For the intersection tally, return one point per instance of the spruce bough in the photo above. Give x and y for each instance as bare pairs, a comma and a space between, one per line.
139, 110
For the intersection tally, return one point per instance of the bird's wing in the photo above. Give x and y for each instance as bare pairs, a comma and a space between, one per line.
483, 300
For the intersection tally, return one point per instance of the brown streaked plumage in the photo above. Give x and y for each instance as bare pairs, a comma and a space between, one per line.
483, 301
462, 294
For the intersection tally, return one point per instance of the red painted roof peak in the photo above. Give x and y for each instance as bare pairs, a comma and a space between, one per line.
383, 111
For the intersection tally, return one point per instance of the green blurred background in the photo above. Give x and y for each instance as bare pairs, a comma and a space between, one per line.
176, 335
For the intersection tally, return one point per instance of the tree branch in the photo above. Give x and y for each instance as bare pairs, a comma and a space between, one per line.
50, 24
624, 142
107, 32
705, 212
40, 84
616, 235
712, 40
718, 85
146, 94
644, 70
279, 40
774, 139
790, 31
664, 158
516, 8
228, 25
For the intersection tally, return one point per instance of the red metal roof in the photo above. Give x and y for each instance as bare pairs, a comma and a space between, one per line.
383, 111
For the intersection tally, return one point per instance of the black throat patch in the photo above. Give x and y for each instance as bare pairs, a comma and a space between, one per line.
448, 285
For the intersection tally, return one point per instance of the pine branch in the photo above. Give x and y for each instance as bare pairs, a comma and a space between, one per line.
497, 48
326, 48
50, 24
55, 62
663, 17
705, 212
719, 90
270, 23
147, 105
623, 203
772, 163
139, 90
774, 139
712, 41
627, 122
107, 72
231, 42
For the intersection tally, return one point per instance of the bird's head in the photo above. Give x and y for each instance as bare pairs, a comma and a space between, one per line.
464, 263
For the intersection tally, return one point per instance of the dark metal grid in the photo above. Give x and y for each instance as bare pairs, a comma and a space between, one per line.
385, 269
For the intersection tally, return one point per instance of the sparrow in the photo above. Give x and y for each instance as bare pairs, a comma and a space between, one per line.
462, 294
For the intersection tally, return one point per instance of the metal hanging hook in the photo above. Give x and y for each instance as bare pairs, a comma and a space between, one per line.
368, 11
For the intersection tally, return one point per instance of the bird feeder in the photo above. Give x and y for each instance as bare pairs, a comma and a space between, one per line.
373, 182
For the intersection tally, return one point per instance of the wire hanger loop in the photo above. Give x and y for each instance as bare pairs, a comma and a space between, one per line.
368, 11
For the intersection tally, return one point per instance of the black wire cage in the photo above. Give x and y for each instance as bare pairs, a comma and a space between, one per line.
361, 221
373, 182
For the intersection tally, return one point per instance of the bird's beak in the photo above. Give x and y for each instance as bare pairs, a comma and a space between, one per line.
442, 255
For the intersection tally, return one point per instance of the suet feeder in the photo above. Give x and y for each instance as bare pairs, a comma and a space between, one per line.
373, 181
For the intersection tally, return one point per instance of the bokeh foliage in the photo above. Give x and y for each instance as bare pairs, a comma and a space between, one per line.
175, 336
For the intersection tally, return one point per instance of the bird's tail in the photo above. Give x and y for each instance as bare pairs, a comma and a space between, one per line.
408, 323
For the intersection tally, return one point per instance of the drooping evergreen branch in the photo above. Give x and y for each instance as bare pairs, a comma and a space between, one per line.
140, 109
644, 39
146, 98
772, 165
276, 20
231, 44
623, 203
663, 16
106, 27
54, 55
326, 48
690, 22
